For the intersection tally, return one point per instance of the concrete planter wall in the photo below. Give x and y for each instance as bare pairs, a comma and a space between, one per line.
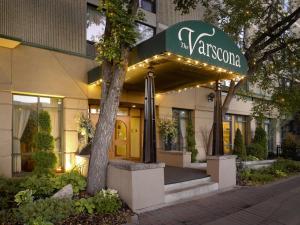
257, 164
174, 158
139, 185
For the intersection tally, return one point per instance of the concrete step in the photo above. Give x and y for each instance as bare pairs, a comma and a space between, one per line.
189, 189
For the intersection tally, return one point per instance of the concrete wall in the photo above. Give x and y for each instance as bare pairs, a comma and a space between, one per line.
167, 16
37, 71
59, 24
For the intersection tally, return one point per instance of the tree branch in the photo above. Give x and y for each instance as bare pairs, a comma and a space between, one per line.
291, 19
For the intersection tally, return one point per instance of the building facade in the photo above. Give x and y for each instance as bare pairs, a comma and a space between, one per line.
46, 54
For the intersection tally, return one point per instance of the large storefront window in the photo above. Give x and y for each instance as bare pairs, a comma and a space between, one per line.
26, 111
182, 117
230, 124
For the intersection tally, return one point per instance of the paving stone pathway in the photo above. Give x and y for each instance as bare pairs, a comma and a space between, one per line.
273, 204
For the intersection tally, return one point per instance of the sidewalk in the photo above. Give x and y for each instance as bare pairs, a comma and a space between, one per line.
276, 204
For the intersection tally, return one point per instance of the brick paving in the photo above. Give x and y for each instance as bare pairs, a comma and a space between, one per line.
272, 204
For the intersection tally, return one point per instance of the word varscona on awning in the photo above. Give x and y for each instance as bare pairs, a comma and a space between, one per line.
196, 40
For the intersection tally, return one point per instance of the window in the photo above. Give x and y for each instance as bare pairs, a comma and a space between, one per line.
230, 124
227, 133
145, 32
148, 5
26, 111
182, 117
95, 25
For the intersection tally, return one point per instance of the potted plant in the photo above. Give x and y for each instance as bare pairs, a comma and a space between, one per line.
168, 132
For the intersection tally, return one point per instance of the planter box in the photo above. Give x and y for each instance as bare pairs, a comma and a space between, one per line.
174, 158
139, 185
222, 169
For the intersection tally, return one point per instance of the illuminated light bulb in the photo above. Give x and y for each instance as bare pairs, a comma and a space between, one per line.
196, 62
147, 60
140, 65
133, 67
100, 80
204, 64
198, 86
185, 89
156, 57
179, 90
212, 67
224, 71
189, 61
178, 59
219, 70
168, 53
211, 83
230, 72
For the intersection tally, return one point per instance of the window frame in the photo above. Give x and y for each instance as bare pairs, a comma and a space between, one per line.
38, 108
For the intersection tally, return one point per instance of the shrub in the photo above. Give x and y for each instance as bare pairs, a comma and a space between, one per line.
260, 137
44, 162
76, 179
168, 132
280, 168
24, 197
251, 158
44, 186
191, 142
85, 205
107, 202
239, 147
8, 189
289, 147
46, 210
256, 150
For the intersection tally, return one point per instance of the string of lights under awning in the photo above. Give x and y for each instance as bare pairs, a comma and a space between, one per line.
182, 58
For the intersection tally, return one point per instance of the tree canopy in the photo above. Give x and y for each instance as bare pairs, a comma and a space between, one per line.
266, 31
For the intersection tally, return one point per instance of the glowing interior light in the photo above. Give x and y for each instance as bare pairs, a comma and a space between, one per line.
45, 100
178, 59
147, 60
196, 62
189, 61
212, 67
204, 64
168, 53
198, 86
156, 57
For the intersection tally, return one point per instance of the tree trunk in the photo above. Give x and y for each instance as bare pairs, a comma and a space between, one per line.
106, 124
231, 93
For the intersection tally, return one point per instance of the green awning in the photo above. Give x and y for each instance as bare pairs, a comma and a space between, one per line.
188, 53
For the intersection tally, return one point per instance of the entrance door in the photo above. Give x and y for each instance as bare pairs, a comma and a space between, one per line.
121, 138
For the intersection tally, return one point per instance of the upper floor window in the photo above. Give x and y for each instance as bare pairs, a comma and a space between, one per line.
95, 27
95, 24
145, 32
148, 5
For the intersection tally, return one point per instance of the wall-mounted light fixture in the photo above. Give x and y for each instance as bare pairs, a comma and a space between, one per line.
210, 97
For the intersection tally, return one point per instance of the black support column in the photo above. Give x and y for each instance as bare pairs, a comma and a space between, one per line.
149, 143
218, 144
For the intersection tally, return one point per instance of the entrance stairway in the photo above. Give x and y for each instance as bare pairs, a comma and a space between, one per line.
189, 189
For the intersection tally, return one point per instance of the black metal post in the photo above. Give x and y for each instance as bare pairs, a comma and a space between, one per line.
218, 144
149, 144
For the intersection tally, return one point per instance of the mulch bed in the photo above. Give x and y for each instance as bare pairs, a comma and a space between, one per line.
98, 219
